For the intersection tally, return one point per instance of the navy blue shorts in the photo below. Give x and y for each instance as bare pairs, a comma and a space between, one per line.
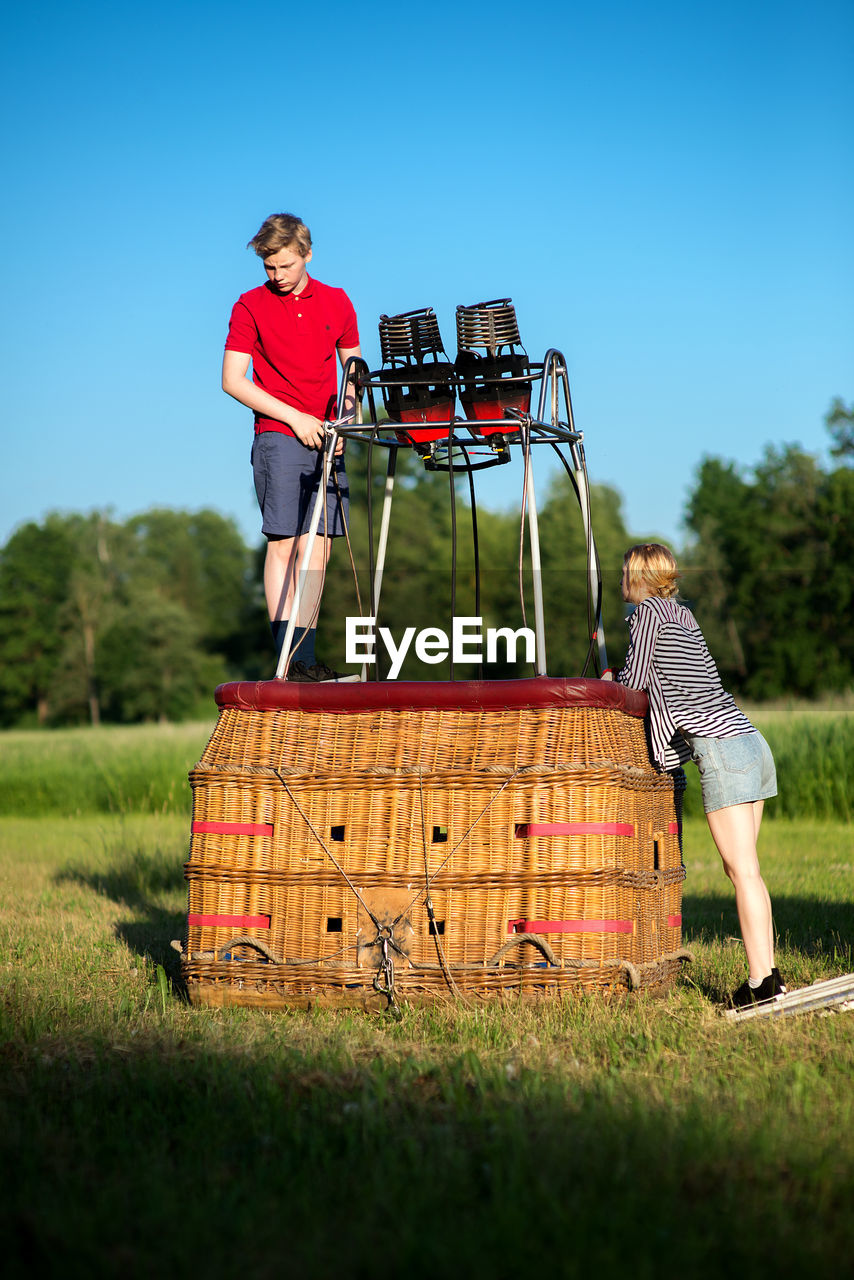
733, 770
287, 478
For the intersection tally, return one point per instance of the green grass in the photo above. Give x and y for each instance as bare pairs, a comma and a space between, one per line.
814, 758
813, 747
578, 1138
133, 769
143, 769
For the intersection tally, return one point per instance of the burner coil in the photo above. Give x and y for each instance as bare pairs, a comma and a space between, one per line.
417, 378
495, 379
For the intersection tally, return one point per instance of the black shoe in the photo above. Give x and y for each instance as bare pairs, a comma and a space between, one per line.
318, 673
782, 989
768, 989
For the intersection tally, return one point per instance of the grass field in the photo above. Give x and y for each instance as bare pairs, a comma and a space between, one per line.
581, 1138
143, 768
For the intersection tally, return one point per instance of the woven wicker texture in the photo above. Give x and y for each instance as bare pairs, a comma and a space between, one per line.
483, 852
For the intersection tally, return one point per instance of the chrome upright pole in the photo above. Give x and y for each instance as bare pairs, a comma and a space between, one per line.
329, 444
385, 520
593, 572
536, 563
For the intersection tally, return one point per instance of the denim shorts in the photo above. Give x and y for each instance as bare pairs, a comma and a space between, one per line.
287, 478
733, 770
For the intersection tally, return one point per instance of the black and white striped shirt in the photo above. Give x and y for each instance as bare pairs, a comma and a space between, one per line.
669, 659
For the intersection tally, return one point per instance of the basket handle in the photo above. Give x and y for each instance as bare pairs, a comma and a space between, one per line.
248, 942
516, 941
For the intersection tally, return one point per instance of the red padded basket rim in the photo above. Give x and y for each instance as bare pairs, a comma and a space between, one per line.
408, 695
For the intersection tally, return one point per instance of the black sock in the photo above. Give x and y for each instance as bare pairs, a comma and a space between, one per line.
303, 645
278, 626
303, 636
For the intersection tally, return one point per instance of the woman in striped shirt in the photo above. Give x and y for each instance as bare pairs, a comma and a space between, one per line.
692, 717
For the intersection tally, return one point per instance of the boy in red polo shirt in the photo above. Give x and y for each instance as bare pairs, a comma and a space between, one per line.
290, 330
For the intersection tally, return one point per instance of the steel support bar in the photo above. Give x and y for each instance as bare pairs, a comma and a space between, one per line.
329, 444
536, 563
592, 573
385, 520
576, 449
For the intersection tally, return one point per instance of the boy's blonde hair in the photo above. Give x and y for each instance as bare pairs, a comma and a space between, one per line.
653, 566
281, 231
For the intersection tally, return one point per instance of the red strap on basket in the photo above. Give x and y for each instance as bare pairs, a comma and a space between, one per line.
231, 922
674, 922
232, 828
570, 926
526, 829
674, 828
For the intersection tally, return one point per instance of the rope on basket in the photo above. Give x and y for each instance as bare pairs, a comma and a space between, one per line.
384, 977
464, 837
249, 942
517, 940
428, 902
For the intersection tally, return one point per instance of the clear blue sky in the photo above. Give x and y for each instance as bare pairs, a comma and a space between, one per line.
666, 191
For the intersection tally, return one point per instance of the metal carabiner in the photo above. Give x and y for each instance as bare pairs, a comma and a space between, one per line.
385, 936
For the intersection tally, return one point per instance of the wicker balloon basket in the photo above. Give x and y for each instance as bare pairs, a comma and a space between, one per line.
361, 844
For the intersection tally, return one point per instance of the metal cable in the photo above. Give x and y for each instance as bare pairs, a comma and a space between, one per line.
475, 543
591, 630
428, 902
385, 933
349, 543
371, 562
526, 455
463, 838
453, 539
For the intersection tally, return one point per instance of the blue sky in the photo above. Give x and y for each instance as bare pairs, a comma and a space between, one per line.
665, 190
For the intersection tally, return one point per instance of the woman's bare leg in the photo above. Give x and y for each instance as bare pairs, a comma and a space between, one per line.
734, 831
758, 808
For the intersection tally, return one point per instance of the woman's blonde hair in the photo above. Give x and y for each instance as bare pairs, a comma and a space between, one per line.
653, 566
281, 231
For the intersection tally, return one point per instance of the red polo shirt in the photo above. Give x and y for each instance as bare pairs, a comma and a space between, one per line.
293, 340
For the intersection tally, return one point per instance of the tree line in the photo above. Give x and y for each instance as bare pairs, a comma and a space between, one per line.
770, 566
127, 620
